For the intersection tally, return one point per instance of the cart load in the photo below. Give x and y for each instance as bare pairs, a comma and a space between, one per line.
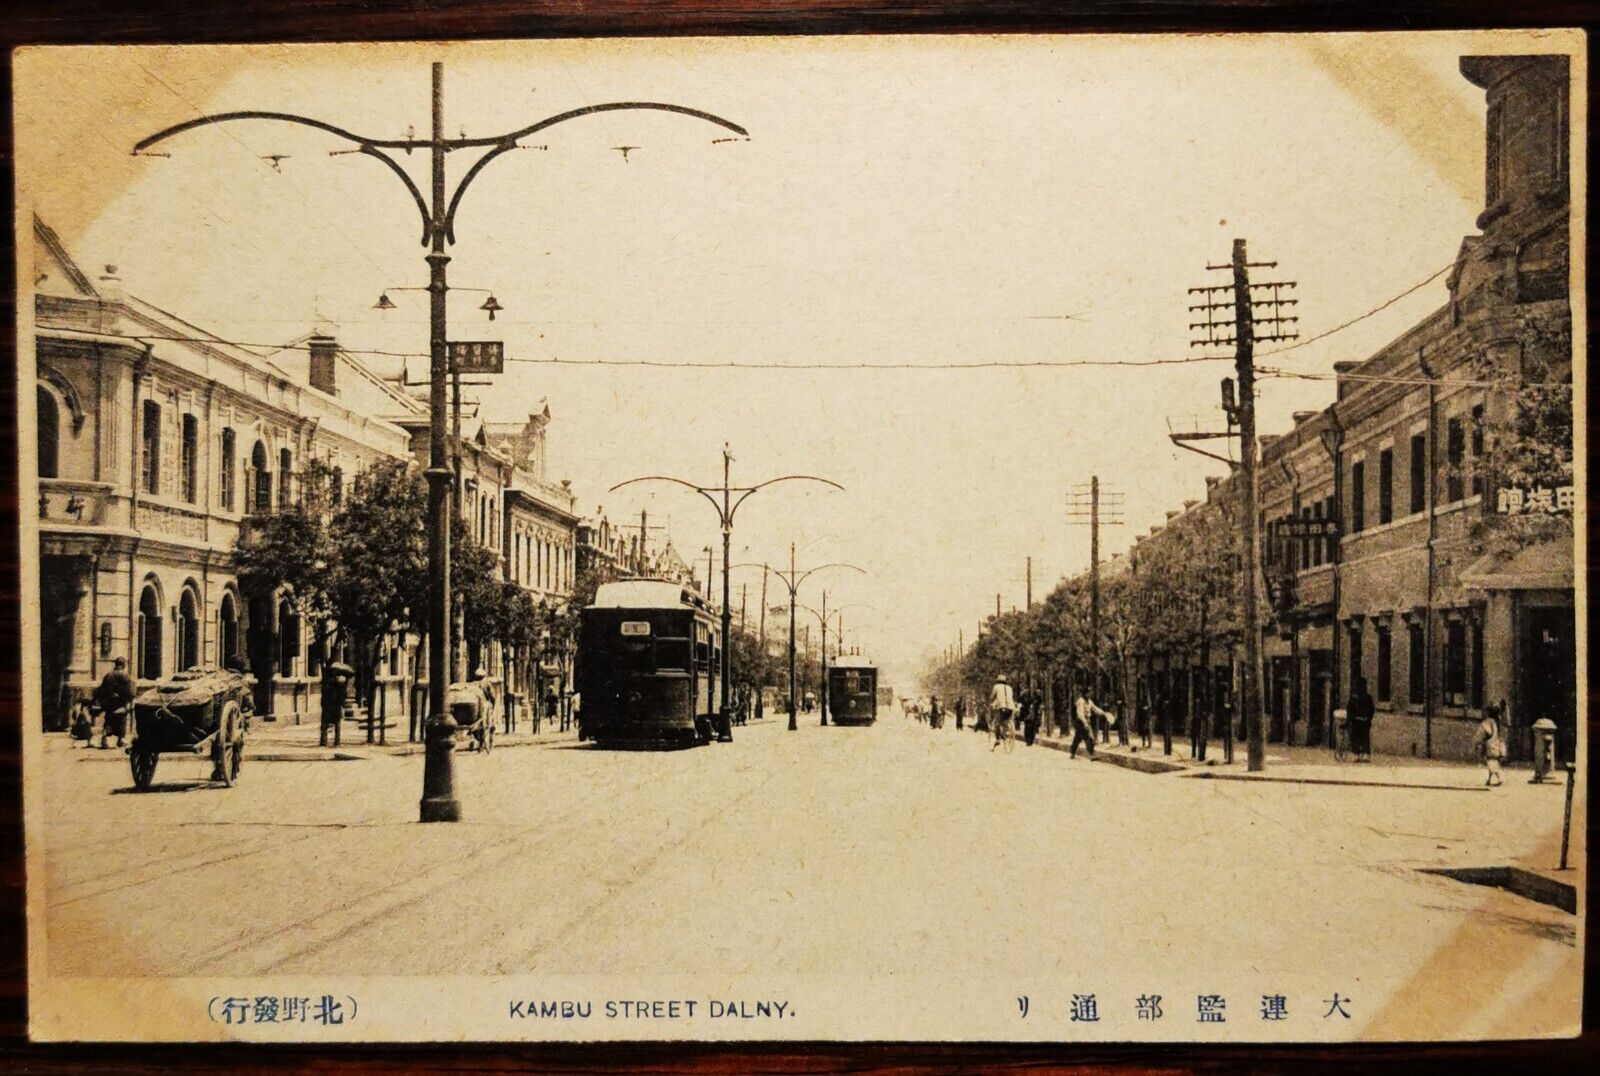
197, 711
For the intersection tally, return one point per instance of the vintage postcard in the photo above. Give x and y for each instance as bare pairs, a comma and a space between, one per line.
1036, 538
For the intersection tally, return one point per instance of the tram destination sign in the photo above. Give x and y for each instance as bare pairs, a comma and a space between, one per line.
477, 356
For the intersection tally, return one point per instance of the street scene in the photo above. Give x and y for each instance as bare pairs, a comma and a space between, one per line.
779, 560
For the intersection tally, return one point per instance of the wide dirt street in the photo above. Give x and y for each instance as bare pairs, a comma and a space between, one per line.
887, 855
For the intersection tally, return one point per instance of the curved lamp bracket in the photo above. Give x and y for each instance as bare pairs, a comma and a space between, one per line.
372, 147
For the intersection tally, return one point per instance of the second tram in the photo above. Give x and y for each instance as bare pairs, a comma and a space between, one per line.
648, 657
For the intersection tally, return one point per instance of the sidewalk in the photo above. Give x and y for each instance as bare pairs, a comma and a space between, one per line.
1296, 764
270, 741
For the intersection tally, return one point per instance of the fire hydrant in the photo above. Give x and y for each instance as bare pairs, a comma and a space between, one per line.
1544, 750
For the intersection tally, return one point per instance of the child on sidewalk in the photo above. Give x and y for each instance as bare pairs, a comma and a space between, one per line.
1491, 746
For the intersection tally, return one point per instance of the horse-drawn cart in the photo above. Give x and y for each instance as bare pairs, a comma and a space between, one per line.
471, 704
195, 712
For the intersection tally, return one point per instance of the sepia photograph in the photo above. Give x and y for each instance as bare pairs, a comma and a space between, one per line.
942, 538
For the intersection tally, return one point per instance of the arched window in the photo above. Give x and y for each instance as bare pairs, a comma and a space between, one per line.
147, 635
191, 458
225, 473
48, 421
188, 630
259, 488
285, 473
228, 631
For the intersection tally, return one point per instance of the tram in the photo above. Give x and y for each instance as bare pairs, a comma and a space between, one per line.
852, 691
647, 661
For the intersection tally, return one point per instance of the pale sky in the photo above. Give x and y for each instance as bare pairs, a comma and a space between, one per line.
901, 200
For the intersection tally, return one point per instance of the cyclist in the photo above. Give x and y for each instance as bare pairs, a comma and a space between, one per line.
1003, 705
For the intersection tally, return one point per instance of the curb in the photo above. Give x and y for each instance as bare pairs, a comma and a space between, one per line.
1140, 763
1340, 781
1524, 883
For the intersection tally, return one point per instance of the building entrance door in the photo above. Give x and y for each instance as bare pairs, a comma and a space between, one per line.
1320, 669
62, 585
1546, 681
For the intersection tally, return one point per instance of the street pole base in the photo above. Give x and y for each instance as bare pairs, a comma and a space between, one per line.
441, 810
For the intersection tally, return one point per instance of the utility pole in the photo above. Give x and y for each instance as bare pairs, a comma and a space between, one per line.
1090, 505
822, 688
764, 612
1030, 582
438, 211
792, 685
1240, 297
997, 606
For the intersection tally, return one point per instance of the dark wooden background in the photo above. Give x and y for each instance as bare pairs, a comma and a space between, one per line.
198, 21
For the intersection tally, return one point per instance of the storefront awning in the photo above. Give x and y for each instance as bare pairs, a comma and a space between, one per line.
1546, 566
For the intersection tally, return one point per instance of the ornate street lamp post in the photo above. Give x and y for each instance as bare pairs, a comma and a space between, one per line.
439, 803
726, 509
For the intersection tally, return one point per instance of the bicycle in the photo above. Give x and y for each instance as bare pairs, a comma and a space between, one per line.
1341, 737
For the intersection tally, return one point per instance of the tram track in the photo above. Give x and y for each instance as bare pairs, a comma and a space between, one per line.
315, 931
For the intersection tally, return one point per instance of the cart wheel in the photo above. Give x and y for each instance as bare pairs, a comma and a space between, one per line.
143, 764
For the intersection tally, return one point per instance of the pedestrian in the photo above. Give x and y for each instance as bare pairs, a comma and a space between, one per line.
935, 713
1002, 706
114, 697
1120, 721
1142, 718
1360, 710
1490, 745
552, 704
961, 711
1030, 716
1084, 712
333, 692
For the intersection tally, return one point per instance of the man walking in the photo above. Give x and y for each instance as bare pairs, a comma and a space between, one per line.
1002, 706
1084, 712
961, 711
1359, 711
114, 696
1030, 716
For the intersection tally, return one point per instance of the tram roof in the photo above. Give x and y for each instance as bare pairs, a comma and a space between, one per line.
645, 594
851, 661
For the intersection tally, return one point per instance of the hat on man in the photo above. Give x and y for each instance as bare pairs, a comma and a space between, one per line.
1001, 679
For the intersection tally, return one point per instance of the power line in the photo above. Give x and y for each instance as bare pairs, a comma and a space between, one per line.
690, 364
986, 364
1361, 317
1393, 380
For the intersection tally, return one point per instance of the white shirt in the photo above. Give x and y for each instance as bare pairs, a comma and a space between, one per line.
1000, 698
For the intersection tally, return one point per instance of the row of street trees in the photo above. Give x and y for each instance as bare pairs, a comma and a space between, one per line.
1165, 606
1176, 597
352, 563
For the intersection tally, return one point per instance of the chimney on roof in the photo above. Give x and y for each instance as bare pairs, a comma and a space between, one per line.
324, 360
1190, 502
1267, 440
110, 286
1211, 482
1341, 383
1301, 416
